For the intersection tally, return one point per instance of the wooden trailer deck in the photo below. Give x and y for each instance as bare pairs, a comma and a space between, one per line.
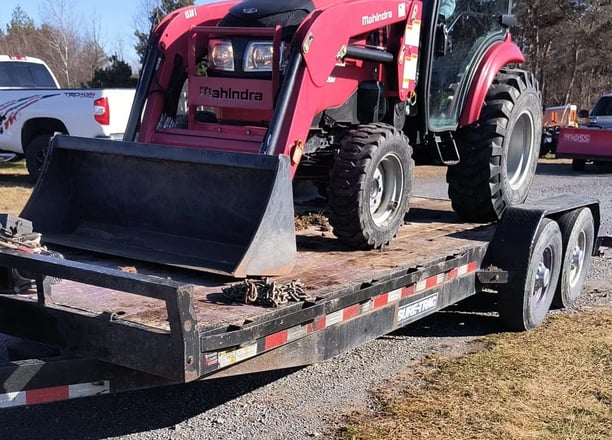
326, 269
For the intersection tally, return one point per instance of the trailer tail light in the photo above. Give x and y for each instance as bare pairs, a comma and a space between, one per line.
102, 111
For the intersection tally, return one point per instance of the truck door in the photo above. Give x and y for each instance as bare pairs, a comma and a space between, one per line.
471, 26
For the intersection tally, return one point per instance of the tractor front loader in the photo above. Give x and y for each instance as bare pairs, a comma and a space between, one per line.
237, 99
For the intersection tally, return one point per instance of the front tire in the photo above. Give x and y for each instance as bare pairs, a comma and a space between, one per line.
36, 154
370, 186
499, 152
526, 298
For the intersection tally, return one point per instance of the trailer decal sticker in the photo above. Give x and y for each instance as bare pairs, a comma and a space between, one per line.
413, 310
405, 313
54, 394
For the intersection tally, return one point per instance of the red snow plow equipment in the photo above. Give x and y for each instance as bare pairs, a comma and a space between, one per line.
238, 99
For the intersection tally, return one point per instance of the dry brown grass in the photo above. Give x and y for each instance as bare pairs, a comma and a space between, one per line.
15, 187
551, 383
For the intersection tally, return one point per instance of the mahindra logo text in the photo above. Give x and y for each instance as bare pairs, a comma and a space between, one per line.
578, 138
376, 17
239, 95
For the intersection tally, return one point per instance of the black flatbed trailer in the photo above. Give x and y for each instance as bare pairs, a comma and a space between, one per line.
95, 325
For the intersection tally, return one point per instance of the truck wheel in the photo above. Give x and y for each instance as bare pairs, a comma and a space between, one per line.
525, 300
578, 231
499, 153
370, 186
578, 164
35, 155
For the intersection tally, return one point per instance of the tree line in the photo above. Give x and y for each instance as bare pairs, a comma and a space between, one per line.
567, 44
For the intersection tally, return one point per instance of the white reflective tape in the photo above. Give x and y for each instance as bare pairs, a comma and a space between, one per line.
88, 389
12, 399
395, 295
333, 318
420, 285
297, 332
366, 306
440, 278
462, 270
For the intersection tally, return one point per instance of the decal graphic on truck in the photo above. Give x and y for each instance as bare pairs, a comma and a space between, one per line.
10, 110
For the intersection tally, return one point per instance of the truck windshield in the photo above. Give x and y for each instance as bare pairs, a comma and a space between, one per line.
603, 107
21, 74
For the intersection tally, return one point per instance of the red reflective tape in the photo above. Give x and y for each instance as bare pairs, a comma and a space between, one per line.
431, 282
381, 300
276, 339
350, 312
407, 291
319, 323
452, 274
472, 266
44, 395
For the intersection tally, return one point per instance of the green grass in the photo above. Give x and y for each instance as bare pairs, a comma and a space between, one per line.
554, 382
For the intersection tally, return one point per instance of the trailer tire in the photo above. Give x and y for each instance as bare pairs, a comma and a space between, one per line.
578, 164
578, 231
35, 155
525, 300
370, 186
498, 153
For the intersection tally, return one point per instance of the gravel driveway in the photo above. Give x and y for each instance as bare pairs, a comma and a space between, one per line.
309, 402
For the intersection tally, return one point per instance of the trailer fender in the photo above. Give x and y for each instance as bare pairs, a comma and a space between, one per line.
499, 55
528, 243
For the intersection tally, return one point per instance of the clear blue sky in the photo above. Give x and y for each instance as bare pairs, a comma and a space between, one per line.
116, 19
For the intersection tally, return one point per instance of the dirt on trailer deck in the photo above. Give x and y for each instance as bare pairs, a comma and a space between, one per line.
324, 267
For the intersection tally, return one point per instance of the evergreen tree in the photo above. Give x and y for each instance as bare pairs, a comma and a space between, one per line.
118, 74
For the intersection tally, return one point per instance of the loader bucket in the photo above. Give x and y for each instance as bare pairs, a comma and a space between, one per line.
220, 212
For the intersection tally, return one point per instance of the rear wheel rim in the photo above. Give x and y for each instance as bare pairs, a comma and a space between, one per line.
577, 257
543, 276
386, 189
518, 162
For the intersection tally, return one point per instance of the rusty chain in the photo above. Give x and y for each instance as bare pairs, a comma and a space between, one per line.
266, 293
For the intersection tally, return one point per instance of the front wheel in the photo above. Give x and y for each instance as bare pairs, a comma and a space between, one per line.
370, 186
36, 154
498, 153
525, 300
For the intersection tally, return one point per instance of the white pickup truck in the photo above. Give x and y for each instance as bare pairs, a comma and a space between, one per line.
33, 108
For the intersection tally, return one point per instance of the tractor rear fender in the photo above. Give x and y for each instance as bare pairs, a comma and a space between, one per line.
497, 56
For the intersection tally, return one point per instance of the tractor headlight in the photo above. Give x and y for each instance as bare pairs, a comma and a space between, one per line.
221, 54
259, 56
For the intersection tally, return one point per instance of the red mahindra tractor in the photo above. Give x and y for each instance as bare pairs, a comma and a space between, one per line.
237, 99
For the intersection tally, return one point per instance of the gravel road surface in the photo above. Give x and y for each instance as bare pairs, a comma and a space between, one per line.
309, 402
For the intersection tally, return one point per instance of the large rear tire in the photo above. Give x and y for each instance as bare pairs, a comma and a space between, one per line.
370, 186
36, 154
499, 153
578, 230
526, 298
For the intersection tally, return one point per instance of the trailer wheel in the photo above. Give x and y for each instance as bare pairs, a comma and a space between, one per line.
525, 300
578, 164
499, 153
35, 155
370, 185
578, 231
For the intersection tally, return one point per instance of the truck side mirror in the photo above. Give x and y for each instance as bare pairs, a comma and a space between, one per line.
583, 114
